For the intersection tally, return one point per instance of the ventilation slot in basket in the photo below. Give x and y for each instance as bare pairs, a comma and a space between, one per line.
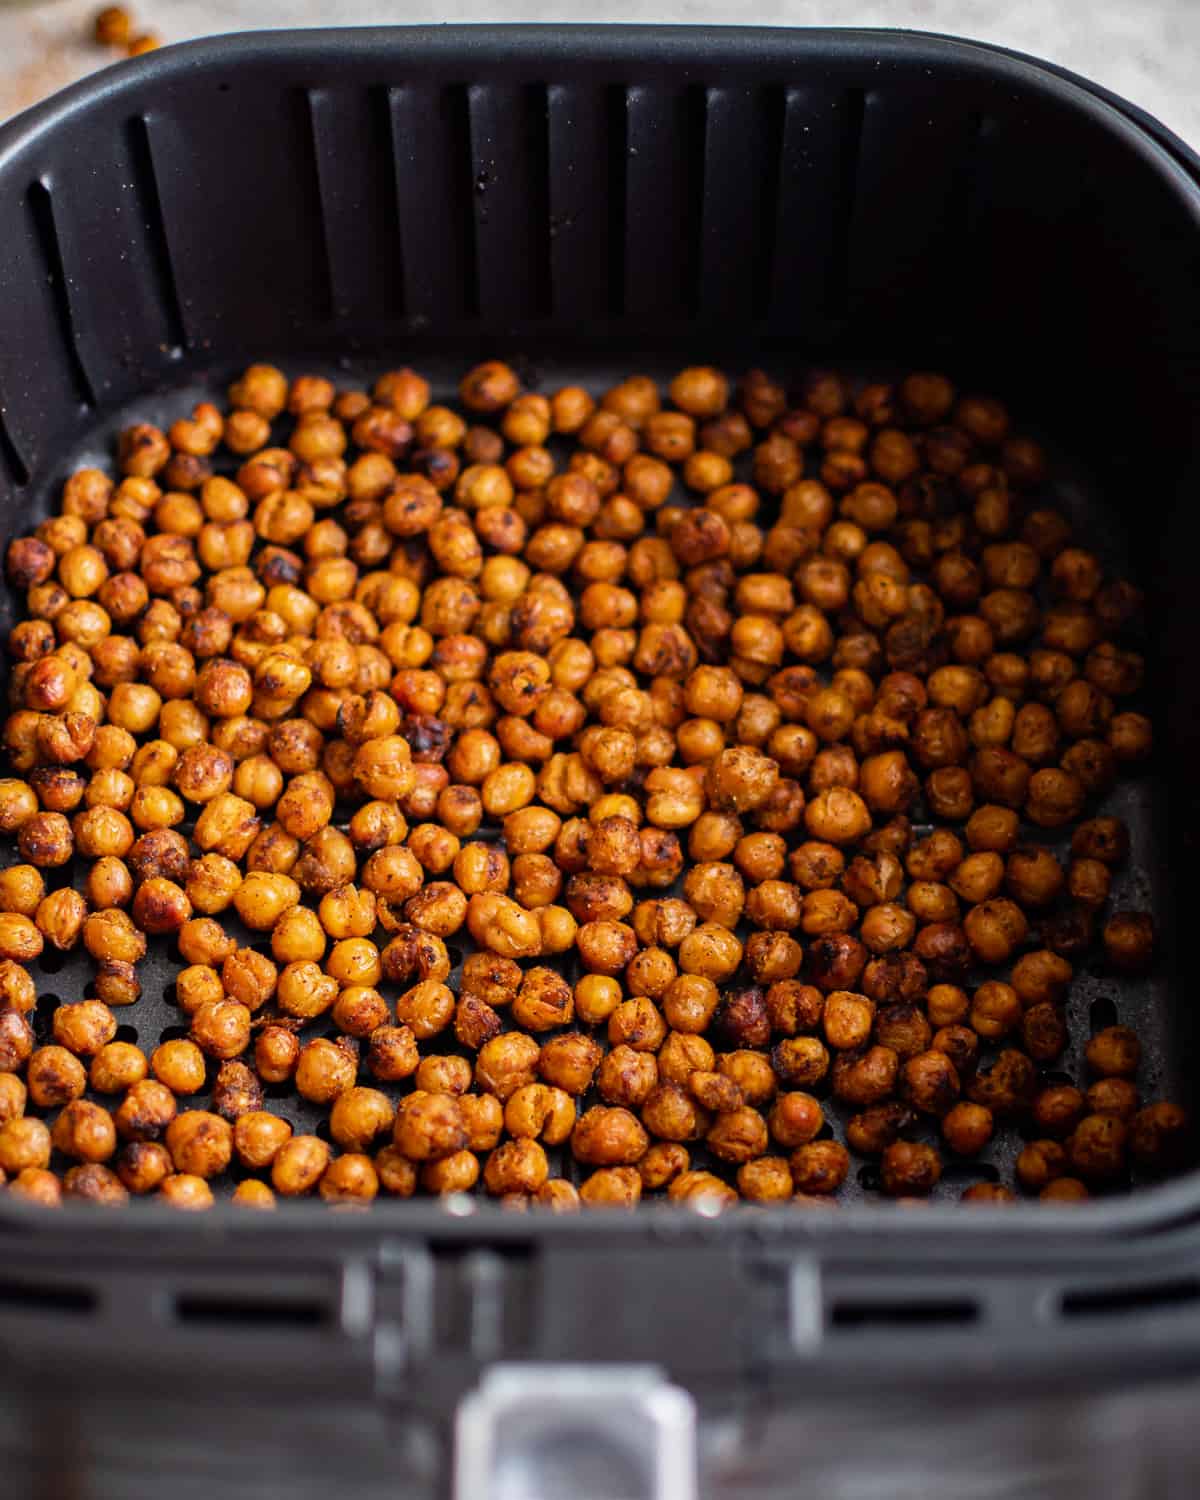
664, 188
821, 131
510, 154
742, 146
250, 1312
46, 1299
948, 1313
1102, 1013
964, 206
1109, 1302
431, 143
162, 271
15, 466
351, 141
846, 192
585, 175
618, 189
41, 209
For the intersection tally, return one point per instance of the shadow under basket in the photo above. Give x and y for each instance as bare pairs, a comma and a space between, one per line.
587, 202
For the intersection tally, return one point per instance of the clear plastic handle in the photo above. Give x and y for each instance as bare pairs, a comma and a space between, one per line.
575, 1432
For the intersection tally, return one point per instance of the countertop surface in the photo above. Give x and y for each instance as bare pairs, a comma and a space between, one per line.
1146, 50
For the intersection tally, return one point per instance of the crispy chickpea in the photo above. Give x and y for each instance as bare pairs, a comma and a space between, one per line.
200, 1143
1129, 941
767, 1179
143, 1166
1097, 1147
1064, 1190
608, 1137
1058, 1109
1040, 1163
179, 1065
1114, 1052
24, 1143
820, 1167
518, 1166
146, 1111
1159, 1136
222, 1029
85, 1132
36, 1185
299, 1165
910, 1169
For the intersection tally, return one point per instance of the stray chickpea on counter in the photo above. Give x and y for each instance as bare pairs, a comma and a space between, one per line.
750, 743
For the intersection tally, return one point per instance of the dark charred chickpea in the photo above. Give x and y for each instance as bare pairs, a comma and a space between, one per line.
1129, 941
1096, 1149
819, 1167
967, 1128
1112, 1096
1159, 1137
1114, 1052
1041, 976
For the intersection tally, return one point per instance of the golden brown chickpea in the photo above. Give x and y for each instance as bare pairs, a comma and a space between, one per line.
1058, 1109
35, 1185
847, 1019
92, 1183
608, 1137
45, 840
1129, 941
349, 1180
516, 1167
930, 1082
819, 1167
298, 1165
768, 1179
1096, 1148
397, 1175
627, 1077
222, 1030
21, 889
910, 1169
1040, 1163
146, 1111
179, 1065
537, 1111
258, 1138
118, 1066
253, 1194
13, 1098
1159, 1136
200, 1143
85, 1132
24, 1143
569, 1062
612, 1187
1114, 1052
143, 1166
995, 1010
1064, 1190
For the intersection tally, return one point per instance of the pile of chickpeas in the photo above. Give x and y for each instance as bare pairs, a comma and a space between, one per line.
666, 794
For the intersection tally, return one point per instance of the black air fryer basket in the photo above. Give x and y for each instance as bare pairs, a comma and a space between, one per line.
586, 202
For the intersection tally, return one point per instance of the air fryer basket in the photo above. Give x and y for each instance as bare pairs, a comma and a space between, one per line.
588, 201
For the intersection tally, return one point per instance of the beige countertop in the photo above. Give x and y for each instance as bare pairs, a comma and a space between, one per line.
1148, 50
